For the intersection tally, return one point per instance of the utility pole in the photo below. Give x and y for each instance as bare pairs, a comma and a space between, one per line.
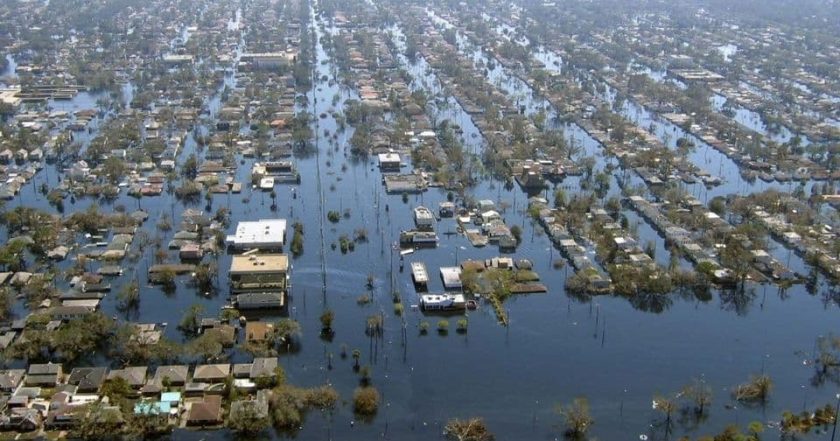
836, 412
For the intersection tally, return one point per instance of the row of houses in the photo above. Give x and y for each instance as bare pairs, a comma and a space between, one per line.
45, 395
578, 254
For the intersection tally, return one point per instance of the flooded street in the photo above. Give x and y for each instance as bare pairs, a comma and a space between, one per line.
395, 79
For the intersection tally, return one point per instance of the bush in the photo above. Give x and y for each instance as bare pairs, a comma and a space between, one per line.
289, 404
755, 390
516, 232
366, 400
297, 240
443, 326
322, 397
462, 325
472, 430
327, 319
333, 216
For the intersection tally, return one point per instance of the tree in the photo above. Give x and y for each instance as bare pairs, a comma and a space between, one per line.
207, 346
700, 395
577, 418
147, 426
130, 348
81, 337
737, 257
516, 232
755, 390
248, 418
6, 302
190, 168
114, 169
327, 320
666, 406
98, 422
297, 239
357, 354
191, 320
289, 404
204, 274
166, 277
472, 429
129, 296
718, 205
366, 401
117, 390
285, 330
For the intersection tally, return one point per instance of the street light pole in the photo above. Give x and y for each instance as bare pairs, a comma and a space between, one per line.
836, 411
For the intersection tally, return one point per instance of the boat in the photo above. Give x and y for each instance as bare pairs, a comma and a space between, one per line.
267, 184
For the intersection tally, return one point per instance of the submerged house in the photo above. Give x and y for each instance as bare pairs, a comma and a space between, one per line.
259, 281
442, 302
266, 234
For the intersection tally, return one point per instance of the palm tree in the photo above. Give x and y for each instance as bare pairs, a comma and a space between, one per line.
357, 354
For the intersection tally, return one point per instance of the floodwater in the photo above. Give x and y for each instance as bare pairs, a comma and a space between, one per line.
618, 353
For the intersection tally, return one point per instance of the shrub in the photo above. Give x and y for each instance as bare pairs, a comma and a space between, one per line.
443, 326
462, 325
366, 400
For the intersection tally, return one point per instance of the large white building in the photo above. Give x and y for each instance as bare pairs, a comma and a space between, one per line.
264, 60
265, 234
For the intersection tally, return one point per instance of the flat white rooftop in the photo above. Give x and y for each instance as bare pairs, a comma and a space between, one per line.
265, 233
451, 276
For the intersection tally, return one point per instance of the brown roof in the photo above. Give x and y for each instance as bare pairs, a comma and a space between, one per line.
134, 375
259, 263
176, 374
208, 411
205, 372
257, 331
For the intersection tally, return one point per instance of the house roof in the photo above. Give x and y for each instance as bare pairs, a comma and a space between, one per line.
44, 369
263, 366
259, 263
211, 372
207, 411
88, 378
175, 373
265, 232
255, 300
257, 331
134, 375
11, 378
